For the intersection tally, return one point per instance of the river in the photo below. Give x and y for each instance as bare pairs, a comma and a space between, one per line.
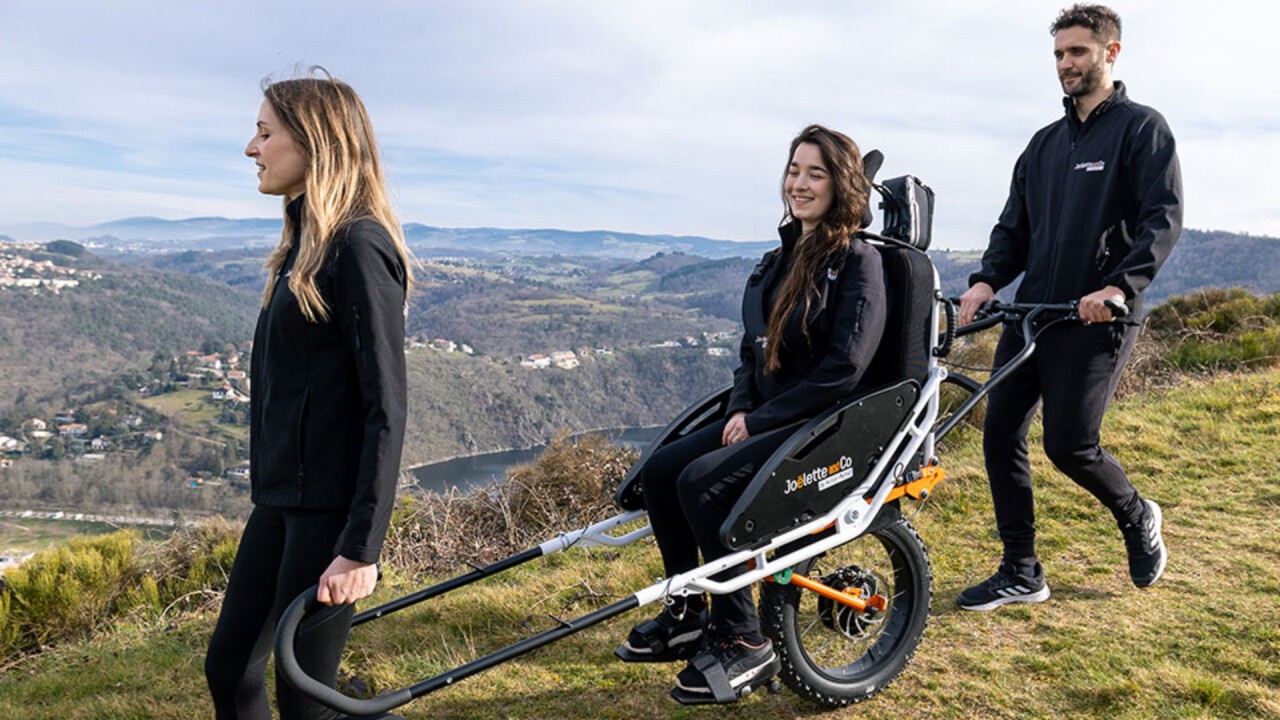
473, 471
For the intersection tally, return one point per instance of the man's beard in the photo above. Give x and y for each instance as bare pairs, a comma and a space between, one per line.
1089, 81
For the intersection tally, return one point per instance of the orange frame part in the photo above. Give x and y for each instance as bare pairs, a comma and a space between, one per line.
919, 488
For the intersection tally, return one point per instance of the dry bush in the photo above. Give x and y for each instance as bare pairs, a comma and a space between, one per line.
1149, 368
970, 356
569, 486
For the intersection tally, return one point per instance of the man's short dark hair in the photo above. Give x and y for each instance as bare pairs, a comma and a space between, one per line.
1100, 19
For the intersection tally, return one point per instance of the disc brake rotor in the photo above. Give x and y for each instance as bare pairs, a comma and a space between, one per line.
842, 618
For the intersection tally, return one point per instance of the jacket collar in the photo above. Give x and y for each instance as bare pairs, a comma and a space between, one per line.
294, 209
1117, 97
790, 235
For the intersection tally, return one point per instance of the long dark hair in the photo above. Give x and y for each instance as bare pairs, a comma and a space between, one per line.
831, 236
344, 181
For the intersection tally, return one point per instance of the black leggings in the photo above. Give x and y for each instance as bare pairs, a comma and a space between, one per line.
282, 553
689, 488
1075, 370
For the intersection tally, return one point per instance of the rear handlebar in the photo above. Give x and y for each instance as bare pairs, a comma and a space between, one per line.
995, 312
286, 630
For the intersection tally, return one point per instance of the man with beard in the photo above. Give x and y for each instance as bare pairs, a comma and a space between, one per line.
1094, 209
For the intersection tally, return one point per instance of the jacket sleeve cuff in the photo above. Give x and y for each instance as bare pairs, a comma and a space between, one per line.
361, 554
976, 278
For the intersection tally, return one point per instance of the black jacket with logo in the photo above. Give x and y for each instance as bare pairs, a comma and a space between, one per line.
1091, 204
845, 325
327, 399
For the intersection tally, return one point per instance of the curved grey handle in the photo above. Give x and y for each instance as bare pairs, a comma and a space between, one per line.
287, 662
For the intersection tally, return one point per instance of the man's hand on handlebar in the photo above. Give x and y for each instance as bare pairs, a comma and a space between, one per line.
973, 298
1094, 308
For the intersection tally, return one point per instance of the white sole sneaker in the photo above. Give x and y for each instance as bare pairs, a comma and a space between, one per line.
1038, 596
1154, 509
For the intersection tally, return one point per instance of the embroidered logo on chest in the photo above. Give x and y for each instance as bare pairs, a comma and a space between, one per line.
1095, 166
832, 274
762, 340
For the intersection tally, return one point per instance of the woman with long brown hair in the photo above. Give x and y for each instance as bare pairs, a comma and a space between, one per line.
327, 400
814, 311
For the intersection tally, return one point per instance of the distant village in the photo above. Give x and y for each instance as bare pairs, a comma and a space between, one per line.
18, 272
570, 359
89, 434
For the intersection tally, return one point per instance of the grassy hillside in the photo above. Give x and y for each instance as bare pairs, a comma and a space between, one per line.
52, 343
1202, 643
460, 405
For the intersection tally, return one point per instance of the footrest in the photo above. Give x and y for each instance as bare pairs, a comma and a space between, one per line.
680, 652
725, 695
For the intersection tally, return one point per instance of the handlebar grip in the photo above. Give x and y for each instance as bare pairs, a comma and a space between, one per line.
287, 662
949, 335
987, 309
1118, 309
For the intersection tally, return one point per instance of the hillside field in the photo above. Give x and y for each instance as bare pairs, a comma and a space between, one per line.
1203, 643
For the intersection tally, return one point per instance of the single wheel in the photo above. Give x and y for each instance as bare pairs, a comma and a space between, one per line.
832, 654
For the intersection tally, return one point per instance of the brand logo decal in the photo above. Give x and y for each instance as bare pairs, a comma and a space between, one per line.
1095, 166
825, 476
762, 340
832, 274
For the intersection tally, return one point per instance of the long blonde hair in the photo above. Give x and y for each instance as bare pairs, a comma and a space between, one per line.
843, 160
344, 181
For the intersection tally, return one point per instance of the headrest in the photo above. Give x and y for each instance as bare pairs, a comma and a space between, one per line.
871, 163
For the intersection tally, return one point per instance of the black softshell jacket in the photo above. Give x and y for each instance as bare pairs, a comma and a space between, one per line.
846, 322
327, 399
1091, 204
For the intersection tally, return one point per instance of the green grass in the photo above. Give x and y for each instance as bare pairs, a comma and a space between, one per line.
190, 406
1202, 643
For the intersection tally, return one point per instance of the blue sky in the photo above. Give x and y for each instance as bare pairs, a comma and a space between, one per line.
650, 117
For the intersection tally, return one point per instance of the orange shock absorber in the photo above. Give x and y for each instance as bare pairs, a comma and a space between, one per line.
854, 601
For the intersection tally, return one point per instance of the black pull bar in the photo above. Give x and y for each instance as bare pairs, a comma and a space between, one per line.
287, 661
446, 586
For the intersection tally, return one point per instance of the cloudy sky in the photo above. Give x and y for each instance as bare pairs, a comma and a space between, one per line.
659, 116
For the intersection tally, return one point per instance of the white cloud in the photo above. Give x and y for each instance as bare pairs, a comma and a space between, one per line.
658, 116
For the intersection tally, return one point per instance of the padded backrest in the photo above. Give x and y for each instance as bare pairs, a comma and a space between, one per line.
908, 333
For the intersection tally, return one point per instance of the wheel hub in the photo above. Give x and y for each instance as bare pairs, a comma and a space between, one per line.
842, 618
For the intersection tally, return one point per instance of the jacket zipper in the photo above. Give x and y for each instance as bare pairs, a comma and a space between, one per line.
355, 321
302, 435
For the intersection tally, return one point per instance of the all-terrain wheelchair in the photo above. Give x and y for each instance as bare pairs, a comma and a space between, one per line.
845, 578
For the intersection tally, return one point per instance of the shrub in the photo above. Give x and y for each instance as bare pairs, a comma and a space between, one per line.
1219, 329
569, 486
67, 591
70, 591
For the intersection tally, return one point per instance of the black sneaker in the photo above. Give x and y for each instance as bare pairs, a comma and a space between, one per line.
1145, 544
1006, 586
730, 659
675, 634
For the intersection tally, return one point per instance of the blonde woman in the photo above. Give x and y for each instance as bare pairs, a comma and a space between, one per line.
328, 394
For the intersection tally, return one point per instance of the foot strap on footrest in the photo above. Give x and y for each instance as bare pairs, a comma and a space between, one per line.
717, 681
